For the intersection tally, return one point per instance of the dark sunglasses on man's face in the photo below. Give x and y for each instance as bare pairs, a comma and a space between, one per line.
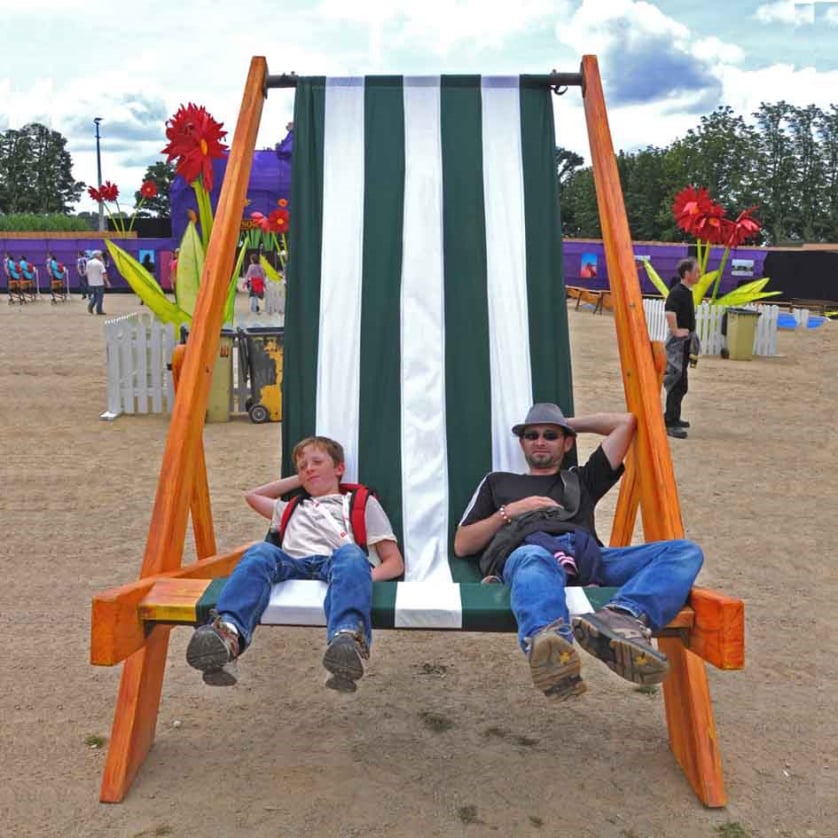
550, 436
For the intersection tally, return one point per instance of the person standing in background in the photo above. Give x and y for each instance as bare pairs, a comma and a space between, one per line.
81, 270
97, 279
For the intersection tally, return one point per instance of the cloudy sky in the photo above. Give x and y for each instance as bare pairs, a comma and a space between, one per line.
664, 62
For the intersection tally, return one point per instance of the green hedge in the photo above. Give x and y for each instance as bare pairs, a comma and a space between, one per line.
31, 223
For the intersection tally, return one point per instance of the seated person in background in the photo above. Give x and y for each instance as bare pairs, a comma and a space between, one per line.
536, 533
317, 543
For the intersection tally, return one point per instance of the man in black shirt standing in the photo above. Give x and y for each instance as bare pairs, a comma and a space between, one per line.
680, 318
544, 521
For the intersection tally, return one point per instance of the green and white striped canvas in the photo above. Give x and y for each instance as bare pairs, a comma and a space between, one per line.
426, 306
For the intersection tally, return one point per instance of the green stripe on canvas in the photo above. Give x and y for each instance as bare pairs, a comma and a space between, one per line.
379, 432
208, 600
302, 313
549, 345
467, 374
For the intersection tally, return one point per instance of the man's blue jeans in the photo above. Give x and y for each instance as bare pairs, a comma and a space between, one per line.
97, 296
348, 602
654, 581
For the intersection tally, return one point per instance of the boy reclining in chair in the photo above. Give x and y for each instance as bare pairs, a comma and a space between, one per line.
318, 542
535, 532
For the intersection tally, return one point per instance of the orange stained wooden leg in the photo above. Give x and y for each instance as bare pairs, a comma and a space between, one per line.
689, 719
200, 507
719, 632
140, 686
628, 500
135, 717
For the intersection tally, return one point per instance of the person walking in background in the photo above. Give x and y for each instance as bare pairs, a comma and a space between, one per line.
681, 346
97, 279
254, 281
81, 270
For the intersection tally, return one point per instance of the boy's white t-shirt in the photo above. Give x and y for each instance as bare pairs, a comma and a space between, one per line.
318, 526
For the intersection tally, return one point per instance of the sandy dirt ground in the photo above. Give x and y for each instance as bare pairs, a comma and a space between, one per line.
446, 736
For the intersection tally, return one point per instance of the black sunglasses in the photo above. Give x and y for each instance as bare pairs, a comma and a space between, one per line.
550, 436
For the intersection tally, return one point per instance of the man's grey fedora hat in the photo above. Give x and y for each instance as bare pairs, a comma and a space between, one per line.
544, 413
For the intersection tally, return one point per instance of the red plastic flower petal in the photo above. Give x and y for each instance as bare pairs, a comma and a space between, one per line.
744, 228
194, 140
278, 221
148, 189
693, 208
95, 194
109, 191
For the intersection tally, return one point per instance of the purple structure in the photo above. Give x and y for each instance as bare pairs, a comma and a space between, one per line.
270, 180
743, 265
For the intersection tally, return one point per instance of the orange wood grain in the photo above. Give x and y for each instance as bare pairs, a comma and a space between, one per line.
173, 600
689, 719
689, 712
117, 630
200, 507
719, 632
139, 693
135, 717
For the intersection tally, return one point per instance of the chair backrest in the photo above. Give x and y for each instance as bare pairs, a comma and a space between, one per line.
425, 305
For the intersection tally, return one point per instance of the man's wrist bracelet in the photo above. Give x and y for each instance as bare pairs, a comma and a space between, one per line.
502, 513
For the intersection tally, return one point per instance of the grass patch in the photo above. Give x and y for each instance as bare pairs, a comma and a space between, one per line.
468, 814
94, 741
647, 689
497, 732
437, 669
436, 721
732, 829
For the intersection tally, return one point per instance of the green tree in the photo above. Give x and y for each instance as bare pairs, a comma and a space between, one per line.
567, 162
162, 173
808, 187
36, 171
828, 138
776, 167
580, 215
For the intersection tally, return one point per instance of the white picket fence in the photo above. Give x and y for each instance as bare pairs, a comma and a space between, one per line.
139, 351
708, 325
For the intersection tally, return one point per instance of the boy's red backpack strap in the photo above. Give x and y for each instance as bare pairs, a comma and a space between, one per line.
360, 494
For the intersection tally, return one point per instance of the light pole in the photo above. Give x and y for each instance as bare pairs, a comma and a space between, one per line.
99, 175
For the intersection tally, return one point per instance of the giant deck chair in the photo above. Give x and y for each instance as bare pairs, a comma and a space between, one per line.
426, 311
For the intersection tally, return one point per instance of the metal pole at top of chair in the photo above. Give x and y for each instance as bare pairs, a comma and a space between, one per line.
557, 82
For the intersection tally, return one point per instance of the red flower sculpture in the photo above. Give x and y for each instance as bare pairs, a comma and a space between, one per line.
278, 221
194, 140
692, 207
148, 189
109, 191
95, 194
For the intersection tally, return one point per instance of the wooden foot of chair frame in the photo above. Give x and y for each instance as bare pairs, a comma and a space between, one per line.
349, 343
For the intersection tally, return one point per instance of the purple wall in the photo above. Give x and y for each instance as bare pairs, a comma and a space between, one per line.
66, 251
664, 259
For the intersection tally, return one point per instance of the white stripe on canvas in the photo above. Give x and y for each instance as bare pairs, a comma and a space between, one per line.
424, 452
509, 347
428, 605
338, 353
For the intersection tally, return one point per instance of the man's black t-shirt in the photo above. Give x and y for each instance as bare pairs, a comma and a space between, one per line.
500, 488
680, 300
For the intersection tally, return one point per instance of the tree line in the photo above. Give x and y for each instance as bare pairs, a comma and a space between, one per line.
785, 163
36, 176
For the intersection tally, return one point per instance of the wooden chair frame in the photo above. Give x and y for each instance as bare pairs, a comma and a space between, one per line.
710, 628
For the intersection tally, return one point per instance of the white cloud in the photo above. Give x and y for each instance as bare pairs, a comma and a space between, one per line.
785, 11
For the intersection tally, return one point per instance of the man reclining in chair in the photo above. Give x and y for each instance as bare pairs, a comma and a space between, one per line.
535, 532
318, 543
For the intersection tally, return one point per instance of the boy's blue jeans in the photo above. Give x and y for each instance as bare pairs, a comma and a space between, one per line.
348, 602
654, 581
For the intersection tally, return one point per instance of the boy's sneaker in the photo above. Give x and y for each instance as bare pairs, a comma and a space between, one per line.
213, 649
344, 660
554, 663
623, 643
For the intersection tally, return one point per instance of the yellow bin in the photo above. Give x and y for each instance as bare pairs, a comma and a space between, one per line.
221, 388
741, 332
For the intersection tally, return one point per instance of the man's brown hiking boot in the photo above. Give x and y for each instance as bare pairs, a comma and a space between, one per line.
623, 643
555, 664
